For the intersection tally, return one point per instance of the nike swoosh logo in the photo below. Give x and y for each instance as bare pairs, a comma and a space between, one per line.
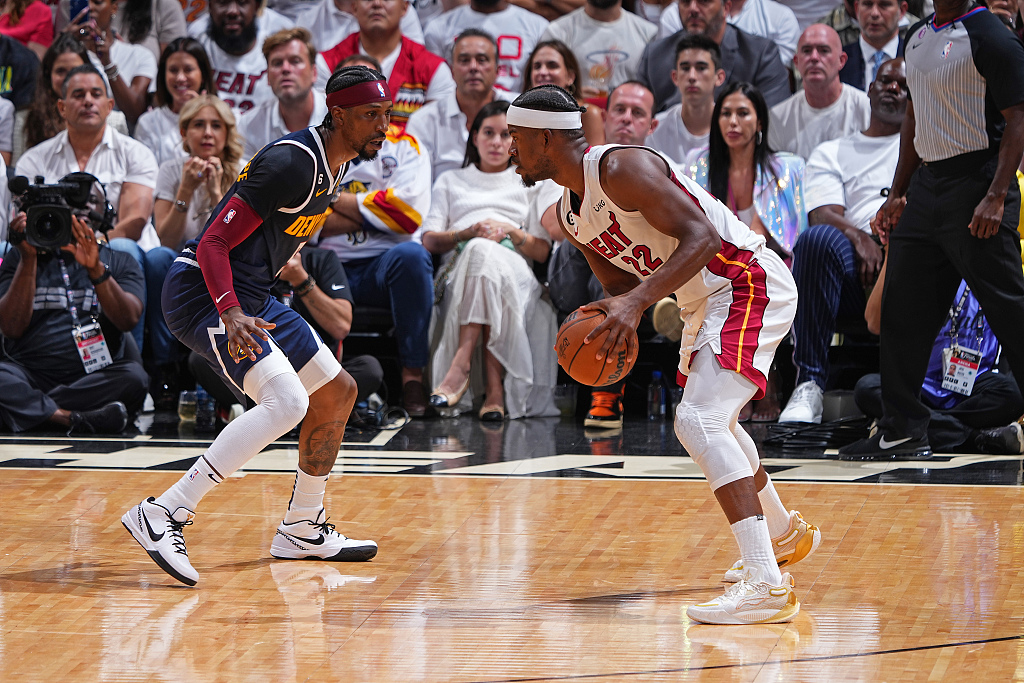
217, 300
152, 534
312, 541
337, 287
882, 443
321, 192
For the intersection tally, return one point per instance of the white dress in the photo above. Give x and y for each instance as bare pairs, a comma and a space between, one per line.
492, 285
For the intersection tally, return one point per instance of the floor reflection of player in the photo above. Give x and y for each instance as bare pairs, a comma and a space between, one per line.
738, 298
217, 300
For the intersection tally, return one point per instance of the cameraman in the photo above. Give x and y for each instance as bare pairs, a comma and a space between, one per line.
52, 369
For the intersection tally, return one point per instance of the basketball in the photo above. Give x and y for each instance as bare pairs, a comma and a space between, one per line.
579, 360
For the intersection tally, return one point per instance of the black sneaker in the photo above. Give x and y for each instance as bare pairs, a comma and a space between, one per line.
110, 419
1005, 440
879, 447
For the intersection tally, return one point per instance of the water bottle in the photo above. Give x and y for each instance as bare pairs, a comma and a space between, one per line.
206, 408
656, 397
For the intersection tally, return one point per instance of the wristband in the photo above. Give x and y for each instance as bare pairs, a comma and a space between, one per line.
111, 71
102, 278
306, 287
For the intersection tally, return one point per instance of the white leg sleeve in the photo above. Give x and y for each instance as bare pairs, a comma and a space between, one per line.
282, 403
711, 402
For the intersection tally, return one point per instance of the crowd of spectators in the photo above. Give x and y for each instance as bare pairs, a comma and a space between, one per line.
788, 112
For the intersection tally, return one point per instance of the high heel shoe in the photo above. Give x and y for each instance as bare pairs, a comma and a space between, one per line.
492, 413
440, 399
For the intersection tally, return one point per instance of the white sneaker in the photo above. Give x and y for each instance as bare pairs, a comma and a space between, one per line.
750, 602
805, 405
799, 541
317, 540
158, 530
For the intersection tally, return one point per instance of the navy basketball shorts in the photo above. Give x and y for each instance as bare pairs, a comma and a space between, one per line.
294, 346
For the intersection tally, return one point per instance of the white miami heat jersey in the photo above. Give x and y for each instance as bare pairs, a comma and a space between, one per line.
628, 241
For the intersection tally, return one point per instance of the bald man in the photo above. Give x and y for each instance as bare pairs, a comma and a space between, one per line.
825, 109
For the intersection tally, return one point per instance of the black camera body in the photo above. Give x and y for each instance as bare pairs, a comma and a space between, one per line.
48, 208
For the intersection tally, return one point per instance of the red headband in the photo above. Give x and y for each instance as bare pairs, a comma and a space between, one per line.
359, 94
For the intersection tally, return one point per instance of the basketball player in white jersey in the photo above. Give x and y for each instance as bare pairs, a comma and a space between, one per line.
648, 231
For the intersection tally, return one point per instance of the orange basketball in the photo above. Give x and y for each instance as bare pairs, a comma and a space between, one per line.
580, 360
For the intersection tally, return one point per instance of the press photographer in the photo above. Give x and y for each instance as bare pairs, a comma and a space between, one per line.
65, 308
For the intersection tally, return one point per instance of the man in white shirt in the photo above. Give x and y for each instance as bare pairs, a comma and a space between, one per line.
687, 125
291, 72
517, 31
331, 21
825, 109
607, 43
125, 166
765, 18
233, 39
879, 40
834, 261
442, 126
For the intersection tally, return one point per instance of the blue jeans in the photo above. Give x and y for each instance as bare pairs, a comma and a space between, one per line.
400, 279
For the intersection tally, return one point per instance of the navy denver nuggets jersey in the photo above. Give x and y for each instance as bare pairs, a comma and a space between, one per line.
289, 184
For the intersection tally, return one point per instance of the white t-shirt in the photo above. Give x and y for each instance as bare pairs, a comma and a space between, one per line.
851, 172
440, 126
242, 81
329, 25
158, 130
168, 23
810, 11
131, 60
672, 138
200, 207
766, 18
118, 159
516, 30
263, 123
393, 193
798, 127
6, 125
607, 51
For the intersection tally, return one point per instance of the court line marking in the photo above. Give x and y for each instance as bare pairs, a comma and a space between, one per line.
801, 660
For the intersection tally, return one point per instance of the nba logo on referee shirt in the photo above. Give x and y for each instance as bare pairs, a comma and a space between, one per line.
947, 48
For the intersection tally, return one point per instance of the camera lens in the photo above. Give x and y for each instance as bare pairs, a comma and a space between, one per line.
48, 227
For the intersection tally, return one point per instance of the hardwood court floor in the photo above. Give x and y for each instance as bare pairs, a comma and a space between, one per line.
504, 579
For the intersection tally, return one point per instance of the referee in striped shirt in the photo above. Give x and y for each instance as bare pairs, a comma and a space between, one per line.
952, 211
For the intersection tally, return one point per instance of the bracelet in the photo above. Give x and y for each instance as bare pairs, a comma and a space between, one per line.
523, 241
180, 206
306, 287
102, 278
111, 71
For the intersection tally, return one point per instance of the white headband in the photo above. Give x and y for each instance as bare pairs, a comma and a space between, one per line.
533, 118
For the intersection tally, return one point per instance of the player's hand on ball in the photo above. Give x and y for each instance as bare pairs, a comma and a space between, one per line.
623, 316
243, 331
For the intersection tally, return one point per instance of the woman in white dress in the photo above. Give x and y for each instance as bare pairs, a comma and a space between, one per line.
488, 227
183, 73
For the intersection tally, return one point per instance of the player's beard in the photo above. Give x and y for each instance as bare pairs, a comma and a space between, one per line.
365, 152
236, 44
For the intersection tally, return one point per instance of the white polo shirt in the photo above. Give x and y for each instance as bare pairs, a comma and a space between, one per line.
263, 124
673, 138
441, 127
329, 25
118, 159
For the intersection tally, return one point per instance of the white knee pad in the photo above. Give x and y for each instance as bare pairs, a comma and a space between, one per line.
285, 398
706, 433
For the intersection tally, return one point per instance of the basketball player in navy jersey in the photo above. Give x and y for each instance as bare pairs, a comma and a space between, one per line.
216, 300
649, 231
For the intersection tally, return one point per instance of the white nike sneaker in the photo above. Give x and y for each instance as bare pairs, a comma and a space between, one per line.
799, 541
158, 531
317, 540
805, 405
750, 602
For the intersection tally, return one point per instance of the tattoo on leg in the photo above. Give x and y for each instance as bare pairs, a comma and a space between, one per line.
319, 449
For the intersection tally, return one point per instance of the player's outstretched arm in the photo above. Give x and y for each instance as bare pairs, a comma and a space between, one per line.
639, 180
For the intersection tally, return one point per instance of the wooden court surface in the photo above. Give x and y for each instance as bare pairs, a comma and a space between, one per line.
504, 579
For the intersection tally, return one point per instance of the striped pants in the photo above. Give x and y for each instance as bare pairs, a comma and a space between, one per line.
825, 270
